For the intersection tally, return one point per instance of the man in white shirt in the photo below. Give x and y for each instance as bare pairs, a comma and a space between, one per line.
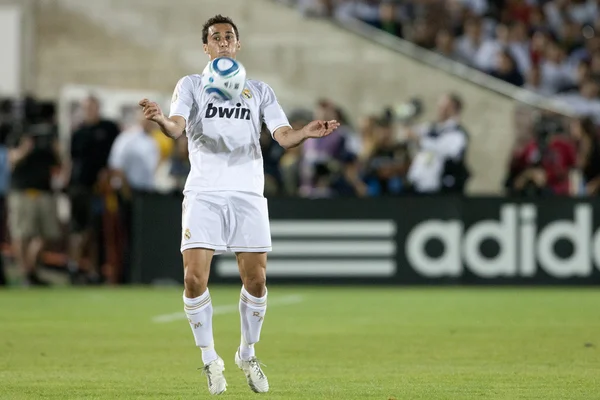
135, 156
224, 209
438, 143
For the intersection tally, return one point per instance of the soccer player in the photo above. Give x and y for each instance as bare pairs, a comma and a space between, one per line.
224, 209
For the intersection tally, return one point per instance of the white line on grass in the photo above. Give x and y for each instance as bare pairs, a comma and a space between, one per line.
227, 309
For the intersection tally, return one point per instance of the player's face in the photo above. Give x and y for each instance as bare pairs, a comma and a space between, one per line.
222, 42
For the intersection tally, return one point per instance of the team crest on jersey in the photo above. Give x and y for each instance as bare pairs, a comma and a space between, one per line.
175, 96
187, 235
246, 93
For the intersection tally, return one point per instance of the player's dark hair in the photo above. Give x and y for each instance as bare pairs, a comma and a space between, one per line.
218, 19
456, 102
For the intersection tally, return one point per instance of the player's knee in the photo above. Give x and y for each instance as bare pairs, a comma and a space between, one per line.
255, 283
195, 283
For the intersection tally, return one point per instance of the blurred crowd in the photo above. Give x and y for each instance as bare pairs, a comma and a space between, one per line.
75, 194
551, 47
560, 157
96, 172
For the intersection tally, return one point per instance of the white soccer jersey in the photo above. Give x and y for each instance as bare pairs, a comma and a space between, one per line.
223, 136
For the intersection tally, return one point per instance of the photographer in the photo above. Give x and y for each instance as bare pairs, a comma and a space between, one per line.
541, 167
33, 216
439, 164
385, 169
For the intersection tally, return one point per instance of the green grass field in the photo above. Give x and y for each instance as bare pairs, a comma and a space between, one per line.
317, 343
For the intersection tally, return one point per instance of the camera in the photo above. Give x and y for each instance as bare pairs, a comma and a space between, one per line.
405, 112
43, 135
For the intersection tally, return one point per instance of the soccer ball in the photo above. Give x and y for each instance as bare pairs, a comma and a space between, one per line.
224, 78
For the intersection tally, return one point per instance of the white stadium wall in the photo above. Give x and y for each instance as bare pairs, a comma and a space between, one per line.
149, 44
11, 22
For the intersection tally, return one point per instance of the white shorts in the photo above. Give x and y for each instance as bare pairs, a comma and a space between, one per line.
225, 222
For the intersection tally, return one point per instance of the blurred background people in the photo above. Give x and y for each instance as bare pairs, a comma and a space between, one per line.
34, 158
90, 146
439, 165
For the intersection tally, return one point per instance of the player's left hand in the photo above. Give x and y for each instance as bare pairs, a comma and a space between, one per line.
319, 129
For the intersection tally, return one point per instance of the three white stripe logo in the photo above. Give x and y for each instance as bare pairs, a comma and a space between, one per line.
327, 248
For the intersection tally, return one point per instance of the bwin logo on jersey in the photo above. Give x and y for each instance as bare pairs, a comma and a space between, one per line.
225, 112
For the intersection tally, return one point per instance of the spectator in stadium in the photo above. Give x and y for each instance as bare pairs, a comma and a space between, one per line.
561, 12
585, 134
385, 170
555, 34
540, 40
541, 166
590, 47
389, 20
34, 159
520, 45
445, 45
585, 102
439, 165
90, 146
583, 73
423, 33
315, 152
471, 42
486, 58
506, 69
570, 37
534, 82
554, 67
537, 20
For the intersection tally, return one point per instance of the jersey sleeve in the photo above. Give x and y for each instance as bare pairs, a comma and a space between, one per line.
271, 111
183, 98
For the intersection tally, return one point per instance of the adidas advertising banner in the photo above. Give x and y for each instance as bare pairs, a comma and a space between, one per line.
397, 241
501, 241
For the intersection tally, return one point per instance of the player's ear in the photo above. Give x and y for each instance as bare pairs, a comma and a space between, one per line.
239, 46
205, 48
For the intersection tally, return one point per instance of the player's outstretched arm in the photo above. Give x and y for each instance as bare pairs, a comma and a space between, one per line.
172, 127
288, 137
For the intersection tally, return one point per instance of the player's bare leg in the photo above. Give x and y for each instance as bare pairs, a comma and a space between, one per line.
199, 311
253, 306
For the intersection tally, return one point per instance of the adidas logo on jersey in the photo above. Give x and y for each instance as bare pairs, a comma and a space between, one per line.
223, 112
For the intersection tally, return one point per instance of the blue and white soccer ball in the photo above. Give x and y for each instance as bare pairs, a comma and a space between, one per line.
224, 78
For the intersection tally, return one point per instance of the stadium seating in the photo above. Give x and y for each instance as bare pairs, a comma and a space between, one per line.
150, 43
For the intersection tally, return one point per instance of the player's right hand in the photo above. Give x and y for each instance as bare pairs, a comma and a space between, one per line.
152, 110
319, 129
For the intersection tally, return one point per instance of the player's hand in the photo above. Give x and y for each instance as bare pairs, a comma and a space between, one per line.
319, 129
152, 111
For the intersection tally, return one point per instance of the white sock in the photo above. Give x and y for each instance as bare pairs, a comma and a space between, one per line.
252, 315
199, 312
